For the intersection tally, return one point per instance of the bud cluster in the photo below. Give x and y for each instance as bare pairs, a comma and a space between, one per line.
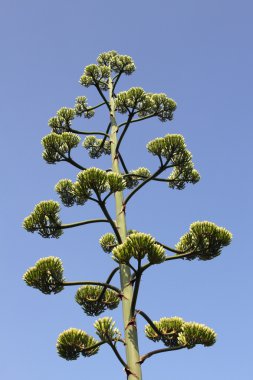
106, 330
175, 332
56, 146
205, 239
82, 109
88, 181
62, 121
138, 245
88, 297
73, 342
46, 275
44, 219
172, 147
96, 147
137, 101
108, 242
135, 176
118, 63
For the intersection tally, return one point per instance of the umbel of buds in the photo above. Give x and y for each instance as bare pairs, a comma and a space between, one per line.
46, 275
138, 245
94, 301
175, 332
44, 219
133, 252
73, 342
205, 239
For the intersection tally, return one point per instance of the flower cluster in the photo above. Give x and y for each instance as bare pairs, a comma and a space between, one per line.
46, 275
82, 109
88, 297
56, 146
174, 332
62, 121
95, 75
96, 147
138, 245
118, 63
106, 330
44, 219
73, 342
172, 148
134, 176
137, 101
205, 240
88, 181
108, 242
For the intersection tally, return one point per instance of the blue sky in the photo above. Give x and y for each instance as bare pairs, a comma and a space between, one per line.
200, 54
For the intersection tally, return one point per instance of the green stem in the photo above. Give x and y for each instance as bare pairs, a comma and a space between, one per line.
149, 354
117, 354
150, 322
75, 283
159, 171
77, 224
94, 346
107, 282
89, 133
131, 339
136, 288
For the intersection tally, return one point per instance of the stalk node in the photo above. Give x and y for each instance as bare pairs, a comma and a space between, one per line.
128, 373
132, 322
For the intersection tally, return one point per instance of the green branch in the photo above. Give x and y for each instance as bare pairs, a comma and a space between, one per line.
137, 120
116, 352
109, 218
159, 171
150, 322
107, 282
138, 274
131, 115
94, 346
77, 224
75, 283
149, 354
102, 96
123, 163
89, 133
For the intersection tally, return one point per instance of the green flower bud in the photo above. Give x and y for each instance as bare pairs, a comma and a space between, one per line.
139, 174
123, 64
139, 244
73, 342
56, 146
163, 106
46, 275
66, 190
122, 254
182, 175
104, 59
108, 242
118, 63
156, 255
45, 220
205, 239
62, 122
116, 182
156, 146
96, 147
136, 99
106, 330
81, 107
93, 179
95, 75
169, 329
196, 333
87, 296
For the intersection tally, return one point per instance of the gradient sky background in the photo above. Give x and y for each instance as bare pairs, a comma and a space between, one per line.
200, 54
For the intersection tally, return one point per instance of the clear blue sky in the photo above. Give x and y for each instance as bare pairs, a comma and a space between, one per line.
200, 54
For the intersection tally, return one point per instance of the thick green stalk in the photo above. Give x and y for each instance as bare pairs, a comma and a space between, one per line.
131, 339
